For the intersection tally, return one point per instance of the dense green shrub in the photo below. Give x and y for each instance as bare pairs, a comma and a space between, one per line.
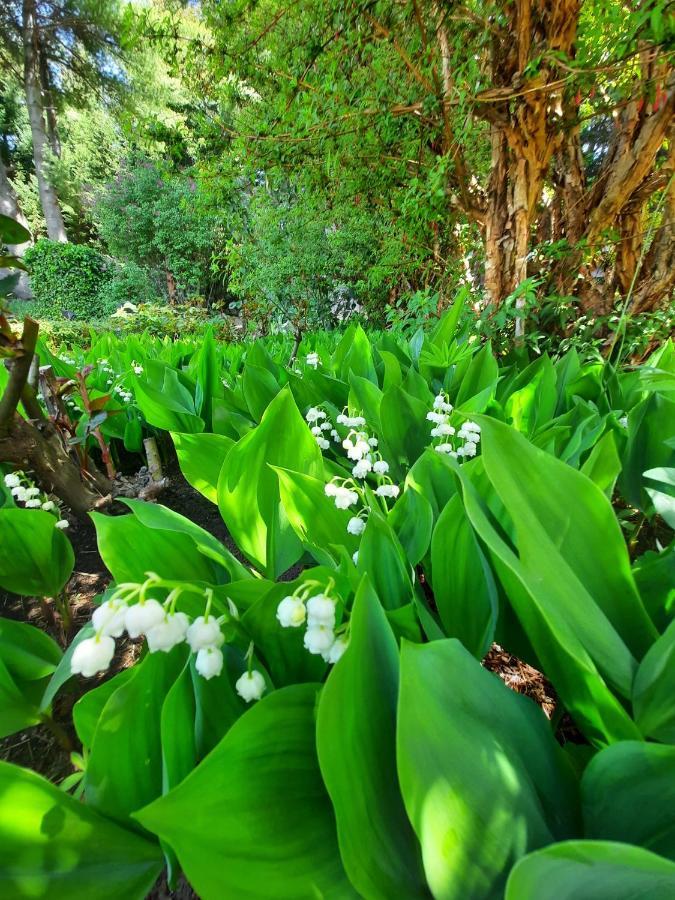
68, 279
129, 284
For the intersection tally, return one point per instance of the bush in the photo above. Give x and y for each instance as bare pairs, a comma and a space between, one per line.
129, 284
68, 279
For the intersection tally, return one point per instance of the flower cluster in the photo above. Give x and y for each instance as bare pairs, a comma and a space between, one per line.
24, 491
318, 612
312, 359
319, 424
469, 432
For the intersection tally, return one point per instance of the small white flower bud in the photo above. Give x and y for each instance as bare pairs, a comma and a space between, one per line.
141, 617
63, 524
320, 612
33, 503
251, 686
209, 662
335, 651
204, 633
49, 506
168, 633
92, 655
109, 618
319, 639
291, 612
356, 525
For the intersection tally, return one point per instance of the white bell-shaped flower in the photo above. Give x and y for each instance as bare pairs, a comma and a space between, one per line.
320, 611
362, 468
141, 617
251, 686
344, 498
109, 618
204, 633
12, 480
291, 612
319, 639
209, 662
92, 655
356, 525
168, 633
381, 467
388, 490
335, 651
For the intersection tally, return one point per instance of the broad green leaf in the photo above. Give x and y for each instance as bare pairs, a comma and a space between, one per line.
654, 689
36, 558
312, 515
19, 707
603, 464
217, 704
383, 558
248, 488
404, 427
482, 777
592, 870
356, 742
87, 711
366, 397
568, 537
412, 520
463, 584
628, 793
260, 388
56, 848
254, 819
124, 770
560, 644
28, 652
201, 457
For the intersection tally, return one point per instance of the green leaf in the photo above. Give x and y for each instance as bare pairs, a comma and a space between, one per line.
87, 711
13, 232
28, 652
592, 870
463, 584
404, 427
628, 793
36, 558
254, 817
312, 515
248, 488
654, 689
383, 558
567, 535
217, 704
603, 464
124, 770
482, 777
55, 847
260, 388
412, 520
201, 457
356, 742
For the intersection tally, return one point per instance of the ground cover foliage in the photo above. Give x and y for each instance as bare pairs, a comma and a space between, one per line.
309, 716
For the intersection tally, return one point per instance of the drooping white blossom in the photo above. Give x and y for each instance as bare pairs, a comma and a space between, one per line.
251, 686
335, 651
204, 633
209, 662
170, 632
33, 503
92, 655
312, 359
320, 612
109, 617
141, 617
388, 490
319, 639
63, 523
12, 480
356, 525
362, 468
314, 414
381, 467
291, 612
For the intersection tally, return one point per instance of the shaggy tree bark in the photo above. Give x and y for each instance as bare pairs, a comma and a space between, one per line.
35, 443
9, 206
56, 228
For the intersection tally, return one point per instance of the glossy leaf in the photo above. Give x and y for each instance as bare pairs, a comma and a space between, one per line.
36, 558
254, 816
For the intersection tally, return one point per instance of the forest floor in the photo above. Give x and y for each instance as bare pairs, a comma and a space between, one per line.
48, 753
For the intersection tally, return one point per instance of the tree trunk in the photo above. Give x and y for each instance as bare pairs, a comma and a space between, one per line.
9, 206
171, 287
50, 108
56, 229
